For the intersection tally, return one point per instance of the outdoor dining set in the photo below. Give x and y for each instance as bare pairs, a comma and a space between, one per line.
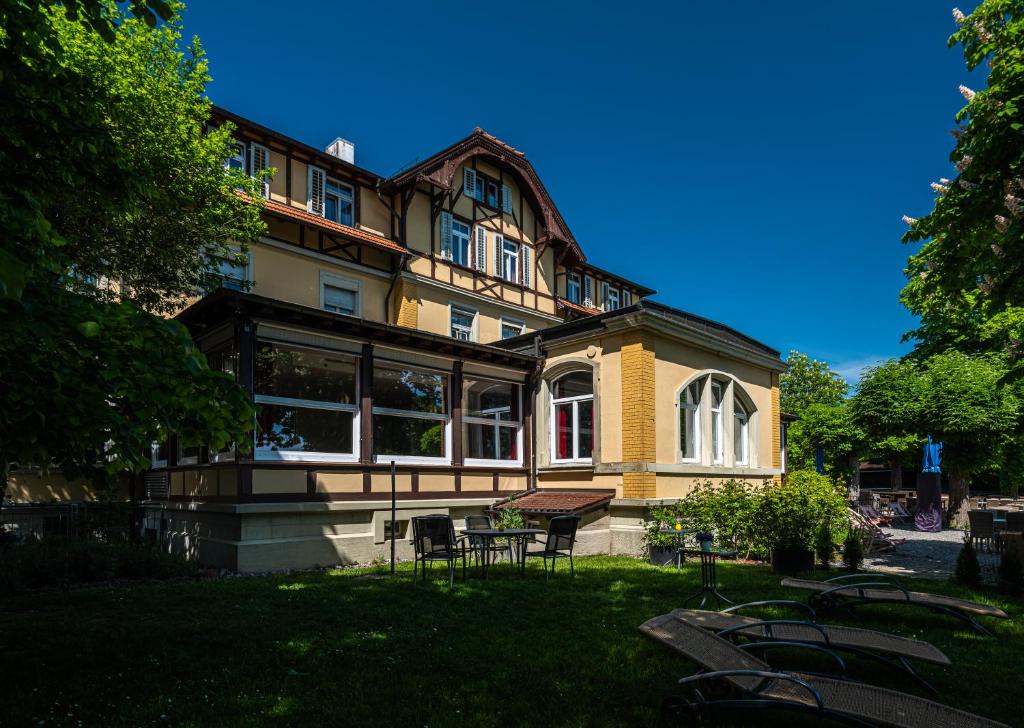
436, 540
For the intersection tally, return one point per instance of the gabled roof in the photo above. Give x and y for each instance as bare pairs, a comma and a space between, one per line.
440, 169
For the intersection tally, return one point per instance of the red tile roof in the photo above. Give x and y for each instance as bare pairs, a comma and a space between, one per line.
299, 215
557, 502
577, 307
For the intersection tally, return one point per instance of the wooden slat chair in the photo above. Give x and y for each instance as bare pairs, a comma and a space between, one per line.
982, 529
890, 649
854, 590
757, 687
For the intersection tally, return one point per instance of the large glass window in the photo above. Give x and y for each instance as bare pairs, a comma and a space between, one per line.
223, 359
410, 413
491, 420
338, 202
460, 243
739, 433
572, 417
717, 396
307, 403
689, 422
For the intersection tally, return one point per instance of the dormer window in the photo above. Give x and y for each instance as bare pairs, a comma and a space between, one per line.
338, 204
610, 294
572, 288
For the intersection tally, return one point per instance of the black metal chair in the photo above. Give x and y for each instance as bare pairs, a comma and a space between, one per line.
560, 541
434, 539
481, 547
982, 529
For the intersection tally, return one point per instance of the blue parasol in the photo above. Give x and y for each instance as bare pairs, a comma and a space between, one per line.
929, 489
819, 460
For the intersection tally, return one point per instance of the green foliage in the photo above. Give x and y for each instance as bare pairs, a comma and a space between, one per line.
967, 570
832, 428
887, 409
853, 550
824, 544
1011, 572
808, 382
59, 562
114, 204
510, 518
754, 518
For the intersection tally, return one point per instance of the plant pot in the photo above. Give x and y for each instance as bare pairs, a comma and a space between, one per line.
662, 555
790, 561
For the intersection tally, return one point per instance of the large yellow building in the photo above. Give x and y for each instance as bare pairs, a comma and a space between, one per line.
446, 319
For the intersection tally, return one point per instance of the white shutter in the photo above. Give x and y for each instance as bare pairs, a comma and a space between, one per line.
446, 235
588, 291
627, 298
315, 190
524, 253
260, 156
469, 182
506, 198
499, 248
604, 294
481, 249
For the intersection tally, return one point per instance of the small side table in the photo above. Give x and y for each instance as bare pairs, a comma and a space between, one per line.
709, 577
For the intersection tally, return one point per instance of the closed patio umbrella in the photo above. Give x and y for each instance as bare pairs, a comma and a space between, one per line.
929, 489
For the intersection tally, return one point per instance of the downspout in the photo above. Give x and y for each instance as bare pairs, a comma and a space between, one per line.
534, 378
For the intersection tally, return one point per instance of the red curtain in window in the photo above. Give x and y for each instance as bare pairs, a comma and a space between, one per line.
563, 432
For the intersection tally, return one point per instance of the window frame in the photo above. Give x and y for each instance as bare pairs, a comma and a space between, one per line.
696, 409
741, 420
505, 321
612, 293
553, 429
516, 424
510, 251
328, 181
313, 455
570, 279
454, 308
446, 459
717, 416
336, 281
468, 243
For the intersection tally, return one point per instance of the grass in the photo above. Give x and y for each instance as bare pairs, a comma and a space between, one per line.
346, 647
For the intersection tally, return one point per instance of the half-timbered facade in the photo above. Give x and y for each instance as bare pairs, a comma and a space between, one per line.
445, 320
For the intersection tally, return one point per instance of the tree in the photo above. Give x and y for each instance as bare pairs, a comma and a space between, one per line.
807, 381
976, 419
887, 408
971, 266
115, 206
830, 427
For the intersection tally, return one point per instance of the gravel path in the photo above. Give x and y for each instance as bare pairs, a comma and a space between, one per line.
929, 555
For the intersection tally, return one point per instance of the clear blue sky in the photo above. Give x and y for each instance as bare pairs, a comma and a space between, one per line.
751, 164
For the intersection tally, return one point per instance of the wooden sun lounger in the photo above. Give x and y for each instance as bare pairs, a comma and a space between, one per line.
856, 589
762, 687
891, 649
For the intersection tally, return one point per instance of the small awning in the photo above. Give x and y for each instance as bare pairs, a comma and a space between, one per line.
557, 502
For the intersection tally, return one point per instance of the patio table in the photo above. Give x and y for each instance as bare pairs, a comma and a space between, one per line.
680, 555
518, 535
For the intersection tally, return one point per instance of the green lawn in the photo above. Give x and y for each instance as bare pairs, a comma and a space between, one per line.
349, 648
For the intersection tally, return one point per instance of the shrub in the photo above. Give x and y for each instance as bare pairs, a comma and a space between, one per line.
1011, 572
824, 545
790, 515
853, 550
968, 570
509, 518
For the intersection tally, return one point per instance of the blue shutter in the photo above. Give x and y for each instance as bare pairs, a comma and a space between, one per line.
315, 184
627, 298
469, 182
604, 295
588, 291
499, 247
260, 156
481, 249
446, 235
506, 198
524, 253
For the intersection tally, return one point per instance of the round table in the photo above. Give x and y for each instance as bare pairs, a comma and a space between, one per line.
519, 535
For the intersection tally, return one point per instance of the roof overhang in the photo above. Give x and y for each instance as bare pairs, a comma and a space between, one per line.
224, 305
566, 502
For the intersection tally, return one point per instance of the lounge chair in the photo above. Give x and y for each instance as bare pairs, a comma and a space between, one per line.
888, 648
873, 516
900, 513
874, 538
853, 590
762, 687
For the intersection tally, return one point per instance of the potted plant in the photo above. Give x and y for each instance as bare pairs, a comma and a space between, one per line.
661, 547
791, 515
705, 539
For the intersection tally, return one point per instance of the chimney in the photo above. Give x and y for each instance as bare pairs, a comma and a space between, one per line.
343, 149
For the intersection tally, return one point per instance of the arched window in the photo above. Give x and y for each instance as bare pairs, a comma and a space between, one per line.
740, 446
717, 429
572, 417
689, 422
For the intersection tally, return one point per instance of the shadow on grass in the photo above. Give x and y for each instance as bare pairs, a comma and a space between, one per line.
342, 648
